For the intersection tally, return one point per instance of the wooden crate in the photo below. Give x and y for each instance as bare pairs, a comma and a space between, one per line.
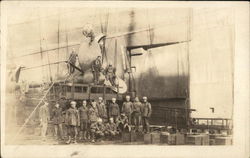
126, 137
223, 141
205, 139
180, 139
194, 140
211, 141
164, 137
172, 139
139, 136
133, 136
147, 138
155, 138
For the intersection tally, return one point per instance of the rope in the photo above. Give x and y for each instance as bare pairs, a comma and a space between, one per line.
27, 120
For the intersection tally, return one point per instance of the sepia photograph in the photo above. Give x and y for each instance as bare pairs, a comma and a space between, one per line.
118, 75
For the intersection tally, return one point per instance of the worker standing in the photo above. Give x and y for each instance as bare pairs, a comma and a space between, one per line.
110, 74
83, 113
102, 110
93, 116
96, 69
72, 61
127, 108
72, 120
44, 118
57, 119
114, 110
137, 111
146, 114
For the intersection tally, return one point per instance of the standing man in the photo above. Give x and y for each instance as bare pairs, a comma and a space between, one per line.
110, 74
114, 110
96, 69
83, 112
146, 113
137, 111
93, 116
57, 121
44, 118
102, 110
127, 108
72, 61
72, 120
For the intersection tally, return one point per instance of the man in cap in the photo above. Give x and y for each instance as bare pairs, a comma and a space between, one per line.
83, 112
127, 108
73, 121
110, 74
57, 119
72, 61
102, 110
123, 124
96, 69
111, 128
137, 111
44, 118
93, 116
114, 110
146, 113
97, 130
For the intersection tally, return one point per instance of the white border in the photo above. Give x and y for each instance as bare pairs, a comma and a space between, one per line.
241, 89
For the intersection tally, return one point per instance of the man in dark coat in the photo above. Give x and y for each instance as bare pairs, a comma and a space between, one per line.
93, 116
137, 111
127, 108
72, 60
111, 128
102, 110
122, 123
83, 112
97, 130
110, 74
146, 113
72, 121
96, 69
57, 119
114, 110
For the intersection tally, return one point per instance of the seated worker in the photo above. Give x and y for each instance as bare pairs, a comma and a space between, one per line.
97, 130
111, 128
123, 124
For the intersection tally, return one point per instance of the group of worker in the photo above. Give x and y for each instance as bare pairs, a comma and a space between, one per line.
95, 120
96, 68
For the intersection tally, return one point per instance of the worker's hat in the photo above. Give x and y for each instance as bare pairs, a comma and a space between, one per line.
100, 37
72, 102
99, 120
122, 114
